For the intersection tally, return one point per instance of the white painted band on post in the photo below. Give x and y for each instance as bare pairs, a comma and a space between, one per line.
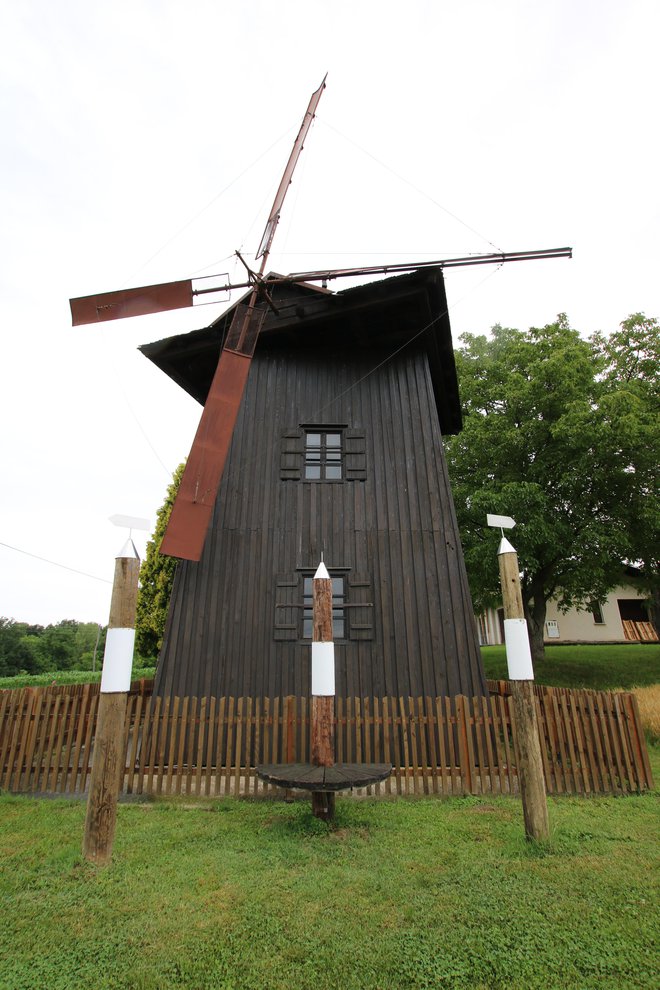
323, 668
518, 653
117, 661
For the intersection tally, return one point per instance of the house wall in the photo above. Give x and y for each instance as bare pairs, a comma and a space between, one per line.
573, 626
394, 532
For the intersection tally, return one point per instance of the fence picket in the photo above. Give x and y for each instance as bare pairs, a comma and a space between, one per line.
641, 755
498, 738
456, 777
488, 736
430, 740
620, 722
445, 776
423, 734
220, 744
229, 748
135, 722
200, 746
35, 727
25, 731
386, 741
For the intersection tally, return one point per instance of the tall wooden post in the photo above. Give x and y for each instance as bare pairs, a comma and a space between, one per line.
521, 676
108, 759
323, 688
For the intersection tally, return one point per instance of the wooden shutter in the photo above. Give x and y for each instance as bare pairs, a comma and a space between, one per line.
361, 610
287, 612
355, 455
292, 455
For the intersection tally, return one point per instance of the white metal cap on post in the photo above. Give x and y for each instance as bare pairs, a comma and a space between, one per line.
516, 636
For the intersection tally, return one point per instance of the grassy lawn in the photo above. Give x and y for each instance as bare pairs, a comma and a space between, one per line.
603, 668
399, 894
407, 893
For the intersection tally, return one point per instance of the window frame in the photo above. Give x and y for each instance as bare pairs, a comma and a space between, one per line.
325, 461
339, 612
358, 605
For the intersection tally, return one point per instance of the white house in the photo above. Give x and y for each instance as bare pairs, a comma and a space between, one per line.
621, 618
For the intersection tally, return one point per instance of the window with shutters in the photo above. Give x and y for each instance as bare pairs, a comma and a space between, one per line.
352, 606
338, 619
323, 453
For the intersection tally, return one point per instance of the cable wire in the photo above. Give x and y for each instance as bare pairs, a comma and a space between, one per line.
55, 563
210, 203
412, 185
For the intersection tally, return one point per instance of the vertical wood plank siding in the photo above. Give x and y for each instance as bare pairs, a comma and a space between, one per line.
397, 526
592, 742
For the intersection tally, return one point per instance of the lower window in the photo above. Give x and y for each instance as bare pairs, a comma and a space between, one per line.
338, 599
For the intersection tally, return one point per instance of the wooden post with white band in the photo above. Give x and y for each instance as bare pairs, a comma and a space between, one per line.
521, 677
108, 755
323, 688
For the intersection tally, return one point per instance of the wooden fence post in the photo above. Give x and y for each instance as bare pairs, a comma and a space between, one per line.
323, 688
521, 675
108, 759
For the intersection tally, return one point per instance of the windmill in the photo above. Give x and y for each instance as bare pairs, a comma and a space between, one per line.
188, 525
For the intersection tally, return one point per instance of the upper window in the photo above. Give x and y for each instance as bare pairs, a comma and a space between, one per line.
597, 612
329, 452
323, 455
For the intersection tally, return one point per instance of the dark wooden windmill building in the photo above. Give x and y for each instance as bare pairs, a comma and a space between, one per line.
336, 452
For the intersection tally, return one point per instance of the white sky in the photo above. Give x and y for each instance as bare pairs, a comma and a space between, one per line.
534, 122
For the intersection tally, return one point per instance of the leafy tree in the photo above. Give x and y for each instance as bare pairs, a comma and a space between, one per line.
551, 436
624, 444
14, 654
33, 649
57, 645
156, 579
90, 638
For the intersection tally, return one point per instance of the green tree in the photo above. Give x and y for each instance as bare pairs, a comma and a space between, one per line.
15, 656
57, 645
543, 442
90, 637
622, 444
156, 579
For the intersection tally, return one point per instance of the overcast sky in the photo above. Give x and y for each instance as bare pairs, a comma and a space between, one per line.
143, 140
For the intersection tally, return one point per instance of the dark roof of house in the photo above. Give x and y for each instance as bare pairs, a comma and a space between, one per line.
382, 316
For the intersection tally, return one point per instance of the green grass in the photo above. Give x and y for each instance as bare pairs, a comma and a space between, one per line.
415, 893
603, 667
66, 677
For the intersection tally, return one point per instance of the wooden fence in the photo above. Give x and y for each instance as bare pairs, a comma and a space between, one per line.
592, 741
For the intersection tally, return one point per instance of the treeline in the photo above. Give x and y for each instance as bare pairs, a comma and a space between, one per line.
66, 645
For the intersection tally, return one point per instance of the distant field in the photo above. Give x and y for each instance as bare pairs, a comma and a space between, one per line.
66, 677
603, 668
